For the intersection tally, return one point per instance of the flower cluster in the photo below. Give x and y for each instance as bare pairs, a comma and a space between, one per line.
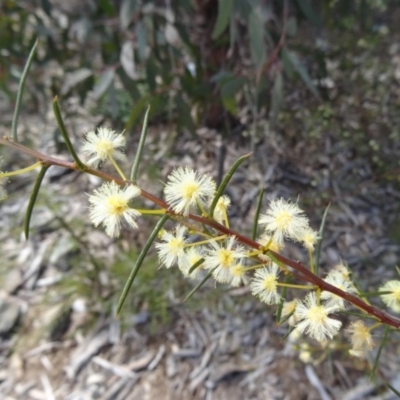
230, 263
223, 257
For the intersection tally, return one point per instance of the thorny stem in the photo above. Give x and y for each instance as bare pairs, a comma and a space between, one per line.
303, 273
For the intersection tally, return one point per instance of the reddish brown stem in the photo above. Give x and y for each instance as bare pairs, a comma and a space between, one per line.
304, 273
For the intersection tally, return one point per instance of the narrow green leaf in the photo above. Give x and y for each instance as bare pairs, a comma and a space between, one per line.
28, 64
398, 270
257, 214
225, 8
393, 389
274, 259
321, 236
378, 354
64, 134
200, 284
292, 328
33, 198
225, 182
282, 321
195, 265
358, 315
374, 294
139, 261
139, 152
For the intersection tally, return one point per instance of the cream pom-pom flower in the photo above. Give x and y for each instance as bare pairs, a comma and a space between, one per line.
337, 279
103, 145
285, 220
361, 339
221, 209
392, 300
222, 257
109, 206
172, 248
186, 188
265, 284
314, 319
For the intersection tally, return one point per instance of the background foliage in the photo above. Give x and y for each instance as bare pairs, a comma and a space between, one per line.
219, 63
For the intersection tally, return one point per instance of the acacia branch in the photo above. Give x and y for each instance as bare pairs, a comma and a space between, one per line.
303, 274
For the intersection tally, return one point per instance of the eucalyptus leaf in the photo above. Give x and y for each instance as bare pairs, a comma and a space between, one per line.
232, 86
225, 8
46, 6
291, 26
306, 8
74, 78
128, 8
104, 83
256, 36
141, 36
127, 59
302, 71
